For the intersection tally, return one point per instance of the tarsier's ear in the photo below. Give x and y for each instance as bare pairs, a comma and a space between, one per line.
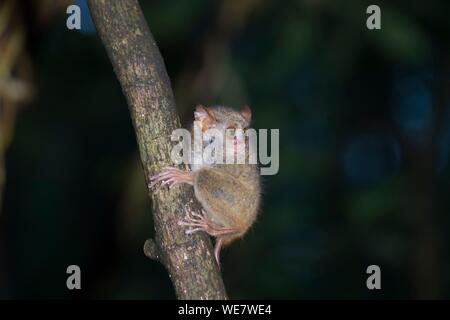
247, 113
203, 115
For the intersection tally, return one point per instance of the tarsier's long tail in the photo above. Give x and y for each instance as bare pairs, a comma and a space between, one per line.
217, 248
222, 241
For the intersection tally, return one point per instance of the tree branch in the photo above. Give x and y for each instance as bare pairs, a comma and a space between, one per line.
140, 69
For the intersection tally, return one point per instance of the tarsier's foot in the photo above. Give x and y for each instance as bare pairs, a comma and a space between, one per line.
171, 177
200, 222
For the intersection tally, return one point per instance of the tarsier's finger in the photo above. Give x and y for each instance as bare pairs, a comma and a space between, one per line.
191, 224
171, 169
191, 231
195, 214
189, 212
173, 184
152, 185
165, 182
160, 175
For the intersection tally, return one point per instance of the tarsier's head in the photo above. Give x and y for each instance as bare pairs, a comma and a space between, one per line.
222, 118
225, 120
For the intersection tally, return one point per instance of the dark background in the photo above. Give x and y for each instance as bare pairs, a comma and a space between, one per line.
364, 119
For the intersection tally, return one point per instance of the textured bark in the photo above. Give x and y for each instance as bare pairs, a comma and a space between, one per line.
146, 85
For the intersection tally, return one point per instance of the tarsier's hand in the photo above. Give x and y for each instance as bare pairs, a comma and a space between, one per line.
170, 176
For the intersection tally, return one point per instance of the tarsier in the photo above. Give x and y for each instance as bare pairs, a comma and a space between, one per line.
228, 193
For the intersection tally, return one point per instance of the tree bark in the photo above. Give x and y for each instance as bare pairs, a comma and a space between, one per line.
140, 69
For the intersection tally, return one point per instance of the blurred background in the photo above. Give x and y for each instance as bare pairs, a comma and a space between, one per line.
364, 119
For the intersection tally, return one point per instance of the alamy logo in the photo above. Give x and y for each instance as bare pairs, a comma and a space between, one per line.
232, 146
74, 19
74, 280
374, 20
374, 280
